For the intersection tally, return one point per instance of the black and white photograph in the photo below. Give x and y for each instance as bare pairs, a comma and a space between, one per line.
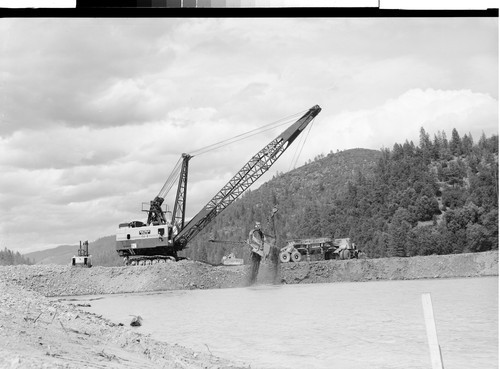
249, 192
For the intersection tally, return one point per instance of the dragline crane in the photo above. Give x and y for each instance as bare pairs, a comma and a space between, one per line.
160, 239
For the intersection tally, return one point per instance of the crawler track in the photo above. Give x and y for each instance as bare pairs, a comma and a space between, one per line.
147, 260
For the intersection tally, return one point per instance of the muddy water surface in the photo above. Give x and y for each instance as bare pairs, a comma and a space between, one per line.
338, 325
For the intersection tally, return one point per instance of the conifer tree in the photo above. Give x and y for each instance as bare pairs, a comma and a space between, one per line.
456, 143
467, 144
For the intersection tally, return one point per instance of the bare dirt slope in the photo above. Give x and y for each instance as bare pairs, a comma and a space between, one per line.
418, 267
36, 332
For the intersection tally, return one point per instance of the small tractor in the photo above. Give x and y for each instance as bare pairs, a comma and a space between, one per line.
318, 249
83, 259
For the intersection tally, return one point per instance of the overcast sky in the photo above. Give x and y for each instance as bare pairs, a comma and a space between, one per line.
96, 112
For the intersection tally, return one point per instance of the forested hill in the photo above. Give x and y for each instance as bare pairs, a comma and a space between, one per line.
302, 195
437, 197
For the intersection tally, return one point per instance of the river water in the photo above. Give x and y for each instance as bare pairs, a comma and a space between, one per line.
358, 325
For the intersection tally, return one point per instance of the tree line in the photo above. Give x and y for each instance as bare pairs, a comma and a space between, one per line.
439, 197
8, 257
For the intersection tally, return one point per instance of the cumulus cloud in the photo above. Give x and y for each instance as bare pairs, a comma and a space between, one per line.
400, 118
69, 171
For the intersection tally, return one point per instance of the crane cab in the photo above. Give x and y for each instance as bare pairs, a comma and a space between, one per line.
136, 240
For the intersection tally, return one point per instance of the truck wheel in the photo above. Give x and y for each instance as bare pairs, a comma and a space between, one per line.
296, 256
344, 254
284, 257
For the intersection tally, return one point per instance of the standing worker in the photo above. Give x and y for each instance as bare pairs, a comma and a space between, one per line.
256, 241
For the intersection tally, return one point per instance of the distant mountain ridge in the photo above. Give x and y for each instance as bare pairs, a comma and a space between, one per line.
102, 251
57, 255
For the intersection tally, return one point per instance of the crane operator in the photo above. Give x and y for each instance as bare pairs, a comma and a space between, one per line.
256, 240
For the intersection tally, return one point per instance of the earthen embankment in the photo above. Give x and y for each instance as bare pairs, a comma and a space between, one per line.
57, 280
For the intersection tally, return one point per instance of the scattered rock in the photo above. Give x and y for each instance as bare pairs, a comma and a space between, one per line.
136, 321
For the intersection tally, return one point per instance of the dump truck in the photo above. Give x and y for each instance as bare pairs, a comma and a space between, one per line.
312, 249
345, 249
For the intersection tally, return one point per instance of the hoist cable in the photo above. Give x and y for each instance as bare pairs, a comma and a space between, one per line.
303, 142
232, 140
245, 135
173, 177
240, 137
294, 159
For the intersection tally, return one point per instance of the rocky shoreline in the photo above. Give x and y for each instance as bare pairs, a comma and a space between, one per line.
43, 333
36, 332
